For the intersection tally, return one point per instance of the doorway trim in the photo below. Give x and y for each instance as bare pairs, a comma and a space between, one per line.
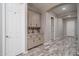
3, 29
52, 18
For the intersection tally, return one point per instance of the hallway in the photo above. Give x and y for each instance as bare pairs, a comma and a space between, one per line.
56, 34
62, 47
35, 30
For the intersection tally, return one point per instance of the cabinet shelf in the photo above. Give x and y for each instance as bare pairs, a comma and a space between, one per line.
34, 28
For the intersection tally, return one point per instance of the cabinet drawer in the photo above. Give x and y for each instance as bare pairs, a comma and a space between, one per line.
30, 43
34, 41
40, 40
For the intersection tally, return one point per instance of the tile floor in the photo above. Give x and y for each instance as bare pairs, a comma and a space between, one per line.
63, 47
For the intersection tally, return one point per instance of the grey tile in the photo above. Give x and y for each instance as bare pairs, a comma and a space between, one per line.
62, 47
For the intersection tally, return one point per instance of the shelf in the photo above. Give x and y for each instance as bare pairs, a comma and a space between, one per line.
34, 28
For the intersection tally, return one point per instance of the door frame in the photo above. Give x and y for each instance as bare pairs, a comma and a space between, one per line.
52, 18
3, 29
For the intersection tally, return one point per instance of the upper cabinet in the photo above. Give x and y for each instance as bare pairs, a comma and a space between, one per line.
33, 19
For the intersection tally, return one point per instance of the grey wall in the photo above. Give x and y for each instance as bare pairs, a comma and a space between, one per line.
0, 29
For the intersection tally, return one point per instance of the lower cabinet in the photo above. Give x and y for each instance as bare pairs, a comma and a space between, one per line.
34, 41
29, 43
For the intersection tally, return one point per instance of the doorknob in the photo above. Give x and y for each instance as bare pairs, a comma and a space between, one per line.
6, 36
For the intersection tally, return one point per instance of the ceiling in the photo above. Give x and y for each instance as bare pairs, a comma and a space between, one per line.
44, 6
61, 10
65, 10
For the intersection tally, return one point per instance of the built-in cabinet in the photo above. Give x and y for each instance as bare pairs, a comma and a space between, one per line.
35, 37
34, 19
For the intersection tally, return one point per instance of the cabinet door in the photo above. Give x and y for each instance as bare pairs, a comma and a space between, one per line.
40, 39
36, 43
29, 18
30, 42
38, 19
34, 19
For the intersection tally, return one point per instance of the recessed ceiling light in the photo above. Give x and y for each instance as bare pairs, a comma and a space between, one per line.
64, 8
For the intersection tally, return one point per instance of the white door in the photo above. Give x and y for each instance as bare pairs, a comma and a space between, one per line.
15, 29
70, 28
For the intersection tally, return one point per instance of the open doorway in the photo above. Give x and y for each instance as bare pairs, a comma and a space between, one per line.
52, 28
55, 27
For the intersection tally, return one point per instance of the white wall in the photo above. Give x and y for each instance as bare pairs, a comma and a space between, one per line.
46, 26
0, 29
70, 27
59, 28
43, 22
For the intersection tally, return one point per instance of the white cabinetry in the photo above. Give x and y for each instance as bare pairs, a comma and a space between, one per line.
34, 36
34, 40
34, 19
